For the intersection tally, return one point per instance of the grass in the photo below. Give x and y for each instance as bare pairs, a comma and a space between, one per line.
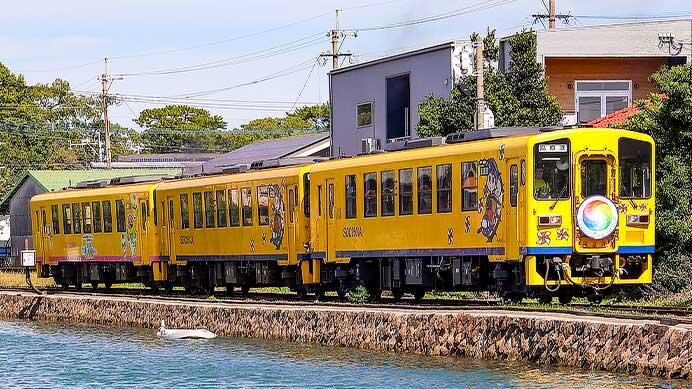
16, 279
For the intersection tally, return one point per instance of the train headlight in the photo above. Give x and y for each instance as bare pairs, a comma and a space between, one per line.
550, 220
638, 220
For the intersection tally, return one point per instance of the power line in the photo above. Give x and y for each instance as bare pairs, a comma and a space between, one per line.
304, 85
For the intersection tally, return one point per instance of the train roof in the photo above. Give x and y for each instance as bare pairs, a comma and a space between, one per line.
89, 192
219, 179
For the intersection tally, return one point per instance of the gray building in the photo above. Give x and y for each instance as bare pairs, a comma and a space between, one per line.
376, 102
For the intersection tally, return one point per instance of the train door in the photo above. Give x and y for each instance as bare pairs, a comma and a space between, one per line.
171, 229
45, 232
512, 226
144, 245
292, 220
163, 239
330, 237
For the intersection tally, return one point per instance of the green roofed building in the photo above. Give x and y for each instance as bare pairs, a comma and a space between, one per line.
15, 203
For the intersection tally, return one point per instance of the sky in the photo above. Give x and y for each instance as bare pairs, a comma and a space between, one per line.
249, 59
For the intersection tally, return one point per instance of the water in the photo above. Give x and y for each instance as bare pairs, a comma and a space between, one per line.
56, 355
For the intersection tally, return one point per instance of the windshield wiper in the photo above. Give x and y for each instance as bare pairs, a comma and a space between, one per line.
558, 198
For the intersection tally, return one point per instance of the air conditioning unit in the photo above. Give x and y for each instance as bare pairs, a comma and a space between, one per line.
368, 145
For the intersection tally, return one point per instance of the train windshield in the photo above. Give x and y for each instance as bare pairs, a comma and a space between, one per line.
635, 168
551, 170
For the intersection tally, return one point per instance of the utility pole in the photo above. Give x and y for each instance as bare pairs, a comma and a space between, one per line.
336, 36
551, 16
106, 81
480, 100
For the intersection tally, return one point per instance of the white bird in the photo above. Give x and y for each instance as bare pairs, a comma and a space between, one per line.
171, 334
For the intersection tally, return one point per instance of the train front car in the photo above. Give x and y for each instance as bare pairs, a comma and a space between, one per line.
99, 236
590, 212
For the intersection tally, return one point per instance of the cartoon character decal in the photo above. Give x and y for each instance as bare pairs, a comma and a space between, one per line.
87, 249
490, 205
128, 239
277, 222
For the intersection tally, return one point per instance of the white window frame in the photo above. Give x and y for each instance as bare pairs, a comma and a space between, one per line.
372, 113
601, 94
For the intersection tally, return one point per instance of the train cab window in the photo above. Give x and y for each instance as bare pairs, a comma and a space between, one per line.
551, 170
246, 198
444, 188
234, 208
119, 216
221, 207
330, 200
594, 177
197, 212
76, 218
635, 168
107, 216
184, 212
406, 192
513, 185
350, 197
387, 184
425, 190
370, 194
319, 200
96, 216
43, 221
67, 218
209, 210
263, 205
86, 215
55, 218
291, 204
469, 186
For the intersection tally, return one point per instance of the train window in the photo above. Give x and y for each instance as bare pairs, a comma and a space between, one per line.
197, 212
234, 208
444, 188
370, 194
513, 185
635, 168
209, 210
221, 207
43, 221
319, 200
119, 216
551, 170
86, 214
350, 197
424, 190
469, 186
330, 202
306, 194
55, 217
406, 192
96, 216
246, 199
145, 213
263, 205
184, 212
291, 204
76, 218
594, 177
387, 183
67, 218
107, 216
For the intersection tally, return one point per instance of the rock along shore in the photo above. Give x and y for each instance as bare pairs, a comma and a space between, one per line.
620, 345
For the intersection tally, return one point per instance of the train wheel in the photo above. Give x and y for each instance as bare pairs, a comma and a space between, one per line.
64, 285
302, 293
341, 293
374, 294
210, 290
94, 285
418, 294
319, 294
229, 289
154, 288
108, 285
565, 298
168, 287
397, 294
78, 286
245, 290
595, 299
545, 299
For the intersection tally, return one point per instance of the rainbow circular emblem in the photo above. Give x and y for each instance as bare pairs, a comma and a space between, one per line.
597, 217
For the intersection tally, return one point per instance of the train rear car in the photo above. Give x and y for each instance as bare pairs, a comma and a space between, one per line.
102, 235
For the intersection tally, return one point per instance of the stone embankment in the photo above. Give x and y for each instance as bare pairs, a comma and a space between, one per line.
620, 345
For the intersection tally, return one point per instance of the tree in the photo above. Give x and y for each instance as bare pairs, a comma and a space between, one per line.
667, 117
518, 98
178, 128
313, 117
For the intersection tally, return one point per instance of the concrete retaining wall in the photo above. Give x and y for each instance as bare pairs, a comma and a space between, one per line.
629, 346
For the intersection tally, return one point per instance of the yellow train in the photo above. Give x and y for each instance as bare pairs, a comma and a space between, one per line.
520, 211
